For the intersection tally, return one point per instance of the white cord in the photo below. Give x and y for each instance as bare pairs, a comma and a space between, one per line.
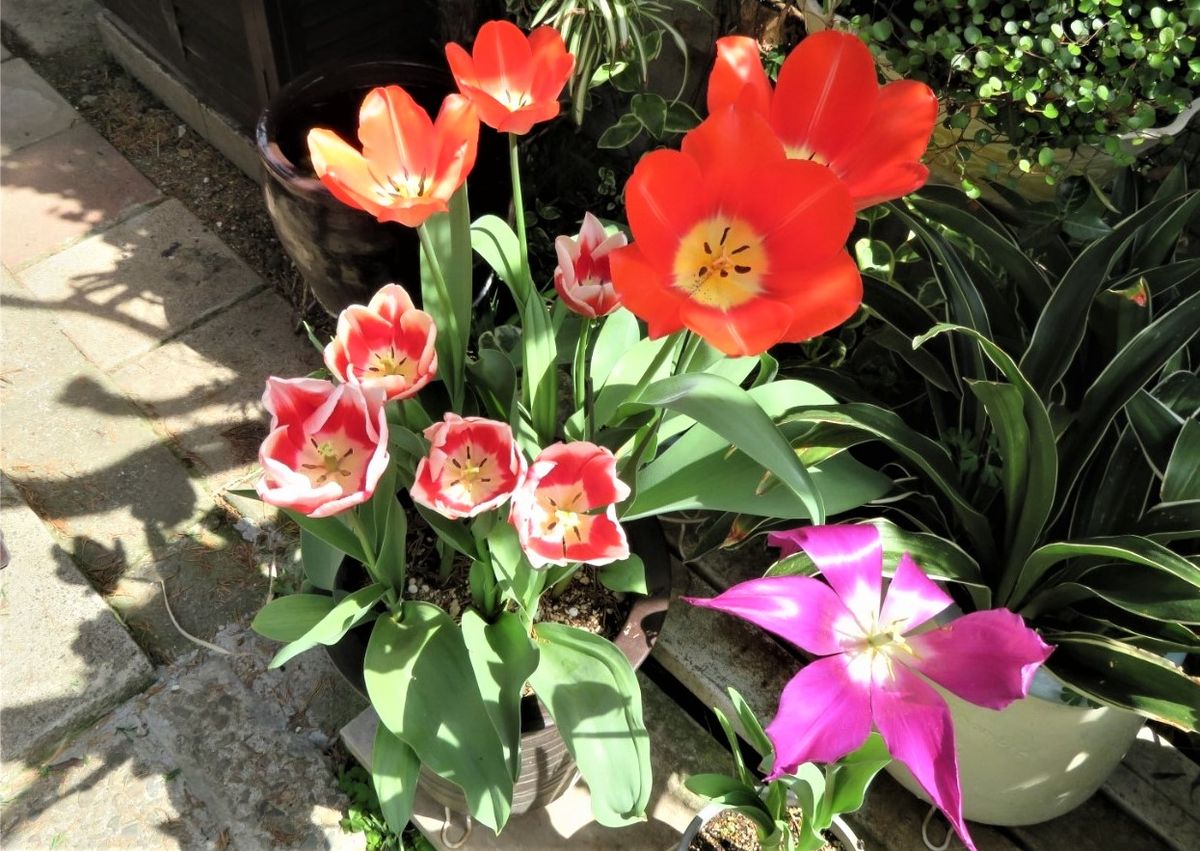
462, 840
925, 832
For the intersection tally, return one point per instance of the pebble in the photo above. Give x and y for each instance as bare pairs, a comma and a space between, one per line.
573, 612
412, 588
88, 100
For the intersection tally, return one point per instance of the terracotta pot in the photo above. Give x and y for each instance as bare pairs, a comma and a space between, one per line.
1035, 760
840, 830
547, 768
344, 254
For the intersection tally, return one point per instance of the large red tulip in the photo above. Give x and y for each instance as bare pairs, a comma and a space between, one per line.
327, 447
514, 80
409, 166
735, 241
828, 107
387, 344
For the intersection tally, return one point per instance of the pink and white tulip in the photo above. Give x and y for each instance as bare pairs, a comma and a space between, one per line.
327, 446
565, 510
583, 279
388, 343
872, 669
473, 466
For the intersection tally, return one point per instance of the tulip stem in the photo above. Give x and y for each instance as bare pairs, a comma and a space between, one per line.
667, 349
514, 163
579, 373
368, 548
452, 373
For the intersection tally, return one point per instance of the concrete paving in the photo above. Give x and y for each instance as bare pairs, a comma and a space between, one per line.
30, 110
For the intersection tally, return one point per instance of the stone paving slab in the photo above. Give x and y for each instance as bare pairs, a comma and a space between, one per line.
62, 188
66, 659
94, 470
52, 26
679, 748
1160, 787
33, 349
204, 388
4, 54
30, 110
120, 293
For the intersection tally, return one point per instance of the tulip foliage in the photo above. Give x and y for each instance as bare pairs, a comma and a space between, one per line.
524, 479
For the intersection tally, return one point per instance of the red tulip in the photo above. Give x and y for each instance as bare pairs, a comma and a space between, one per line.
386, 344
583, 278
327, 447
735, 241
409, 166
828, 107
564, 509
513, 80
473, 466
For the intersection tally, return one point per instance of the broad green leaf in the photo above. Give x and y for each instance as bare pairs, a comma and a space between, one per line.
592, 693
1118, 674
1060, 328
752, 729
1171, 521
1156, 427
495, 242
723, 789
337, 622
735, 748
1124, 375
503, 657
452, 532
289, 618
394, 771
391, 563
622, 133
938, 557
1042, 464
1006, 411
618, 335
927, 455
1180, 391
625, 375
1112, 494
1181, 482
627, 575
1127, 548
321, 560
420, 681
495, 380
1155, 595
846, 780
1157, 245
512, 569
730, 411
331, 530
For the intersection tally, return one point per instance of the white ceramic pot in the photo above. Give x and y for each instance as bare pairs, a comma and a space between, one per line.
839, 829
1035, 760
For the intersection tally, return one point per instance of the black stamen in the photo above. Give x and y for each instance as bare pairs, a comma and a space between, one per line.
454, 461
724, 273
741, 270
707, 248
702, 271
725, 233
740, 249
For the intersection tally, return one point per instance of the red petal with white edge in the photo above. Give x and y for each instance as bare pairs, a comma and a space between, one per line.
738, 77
988, 658
850, 557
912, 598
824, 714
916, 726
799, 609
826, 94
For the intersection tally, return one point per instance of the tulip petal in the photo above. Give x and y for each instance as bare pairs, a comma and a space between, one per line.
457, 131
738, 78
805, 218
396, 134
916, 726
821, 297
344, 171
748, 329
729, 147
824, 714
885, 164
663, 202
912, 598
988, 658
646, 292
825, 95
552, 65
850, 557
503, 59
799, 609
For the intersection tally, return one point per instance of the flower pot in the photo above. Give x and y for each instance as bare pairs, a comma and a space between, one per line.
344, 254
839, 829
1035, 760
547, 768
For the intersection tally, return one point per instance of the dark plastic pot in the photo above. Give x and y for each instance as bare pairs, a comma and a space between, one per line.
344, 254
547, 769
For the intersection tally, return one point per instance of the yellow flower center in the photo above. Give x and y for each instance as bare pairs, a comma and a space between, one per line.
721, 263
386, 363
330, 462
469, 475
405, 186
804, 153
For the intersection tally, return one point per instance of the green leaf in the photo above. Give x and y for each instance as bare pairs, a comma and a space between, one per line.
680, 118
735, 748
289, 618
618, 335
1118, 674
1156, 427
627, 575
512, 569
451, 532
626, 373
321, 560
1155, 595
420, 681
495, 380
331, 530
938, 557
337, 622
495, 242
752, 728
846, 780
593, 695
1171, 521
503, 657
394, 771
1181, 481
722, 789
1005, 409
651, 111
1158, 243
732, 412
391, 563
621, 134
1127, 548
910, 319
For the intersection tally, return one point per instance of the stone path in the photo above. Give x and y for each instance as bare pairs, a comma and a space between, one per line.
135, 347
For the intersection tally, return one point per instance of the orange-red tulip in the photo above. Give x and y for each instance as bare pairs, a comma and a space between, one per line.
736, 241
828, 107
409, 166
514, 80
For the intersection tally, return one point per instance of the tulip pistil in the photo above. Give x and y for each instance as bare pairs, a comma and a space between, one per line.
720, 263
